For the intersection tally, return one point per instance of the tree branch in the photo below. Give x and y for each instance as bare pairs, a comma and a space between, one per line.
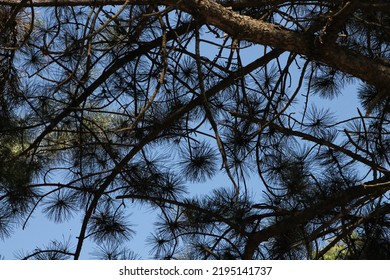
341, 198
242, 27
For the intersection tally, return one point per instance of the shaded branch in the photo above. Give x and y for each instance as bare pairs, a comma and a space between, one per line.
260, 32
341, 198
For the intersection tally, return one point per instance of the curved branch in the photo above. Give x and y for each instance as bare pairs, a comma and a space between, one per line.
302, 217
242, 27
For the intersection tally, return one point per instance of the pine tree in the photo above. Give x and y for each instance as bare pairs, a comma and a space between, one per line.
108, 104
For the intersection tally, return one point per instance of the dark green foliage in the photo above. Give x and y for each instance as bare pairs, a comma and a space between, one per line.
109, 226
113, 251
55, 250
327, 83
60, 206
199, 162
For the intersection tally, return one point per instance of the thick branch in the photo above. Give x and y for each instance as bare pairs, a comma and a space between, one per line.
257, 31
341, 198
62, 3
59, 3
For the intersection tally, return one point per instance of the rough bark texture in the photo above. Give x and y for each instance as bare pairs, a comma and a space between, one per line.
256, 31
246, 28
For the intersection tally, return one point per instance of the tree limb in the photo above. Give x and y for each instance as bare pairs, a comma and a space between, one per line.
242, 27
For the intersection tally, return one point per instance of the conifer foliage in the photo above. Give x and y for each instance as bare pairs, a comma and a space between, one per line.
108, 105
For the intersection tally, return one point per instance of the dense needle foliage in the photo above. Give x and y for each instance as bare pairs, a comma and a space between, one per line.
105, 106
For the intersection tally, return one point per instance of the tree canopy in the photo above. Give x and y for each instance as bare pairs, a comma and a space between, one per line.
108, 104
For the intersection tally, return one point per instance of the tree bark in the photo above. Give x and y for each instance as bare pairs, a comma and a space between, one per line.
374, 72
59, 3
370, 190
